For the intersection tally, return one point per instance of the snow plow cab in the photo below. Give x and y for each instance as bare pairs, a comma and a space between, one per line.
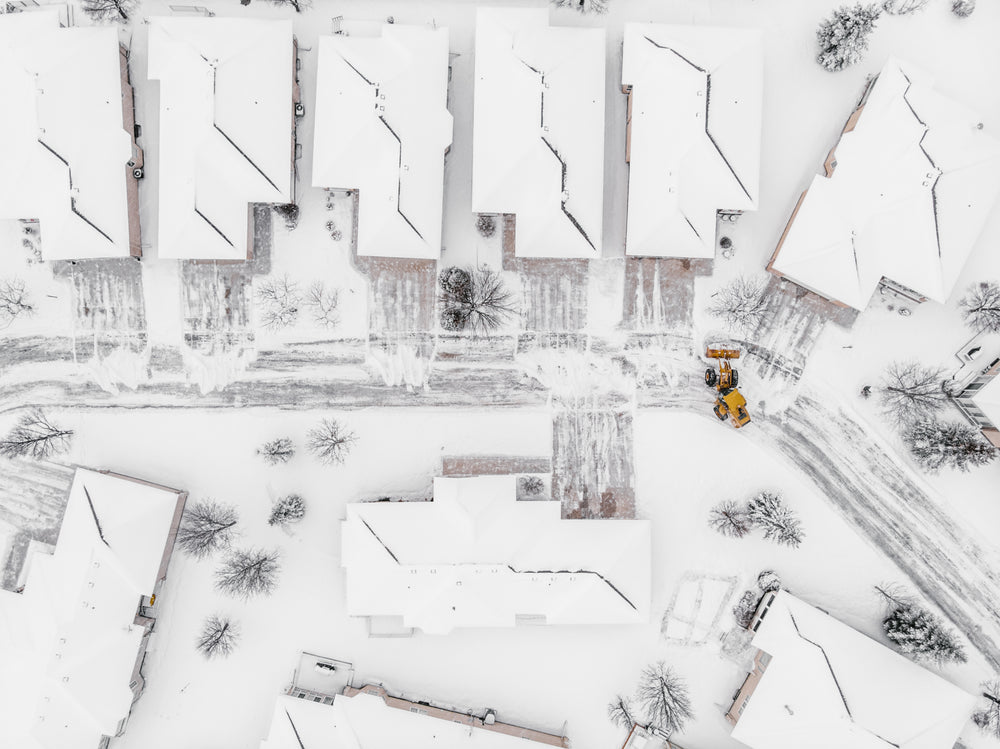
730, 402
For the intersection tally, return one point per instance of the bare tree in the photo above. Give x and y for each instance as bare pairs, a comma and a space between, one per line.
248, 572
13, 301
937, 444
476, 299
322, 303
207, 527
298, 5
280, 300
903, 7
981, 306
621, 713
109, 10
277, 451
584, 6
769, 513
911, 391
987, 718
35, 436
664, 697
730, 519
330, 441
740, 304
218, 637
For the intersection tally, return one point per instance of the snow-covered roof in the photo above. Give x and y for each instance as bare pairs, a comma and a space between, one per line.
63, 145
914, 183
828, 686
68, 643
477, 557
382, 127
367, 721
694, 148
226, 121
538, 130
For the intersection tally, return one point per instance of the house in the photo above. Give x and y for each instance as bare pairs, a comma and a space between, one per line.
538, 131
72, 643
370, 718
227, 91
904, 197
692, 134
67, 142
475, 556
818, 683
975, 387
382, 129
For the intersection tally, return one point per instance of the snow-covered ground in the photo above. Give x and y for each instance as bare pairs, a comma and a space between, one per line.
532, 676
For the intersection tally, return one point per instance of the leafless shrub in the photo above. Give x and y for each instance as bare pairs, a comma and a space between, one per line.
280, 300
740, 304
322, 303
730, 519
903, 7
963, 9
621, 712
13, 301
289, 212
486, 225
330, 442
530, 486
584, 6
277, 451
35, 436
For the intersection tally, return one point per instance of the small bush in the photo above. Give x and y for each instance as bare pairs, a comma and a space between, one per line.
290, 509
486, 225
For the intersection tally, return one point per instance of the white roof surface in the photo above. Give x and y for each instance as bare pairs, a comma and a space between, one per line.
538, 130
68, 644
914, 184
477, 557
63, 145
695, 143
365, 721
225, 129
828, 686
382, 127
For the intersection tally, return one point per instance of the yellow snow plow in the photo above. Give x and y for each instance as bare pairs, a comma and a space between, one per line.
729, 402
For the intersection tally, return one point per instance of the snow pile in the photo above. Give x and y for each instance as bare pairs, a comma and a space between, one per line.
912, 185
225, 129
538, 130
476, 557
382, 128
695, 98
63, 145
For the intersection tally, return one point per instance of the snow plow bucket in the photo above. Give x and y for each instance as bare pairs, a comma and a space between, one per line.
722, 353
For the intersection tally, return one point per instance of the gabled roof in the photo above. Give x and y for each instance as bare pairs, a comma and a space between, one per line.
477, 557
63, 145
382, 127
914, 183
695, 133
68, 643
366, 721
828, 686
538, 130
226, 117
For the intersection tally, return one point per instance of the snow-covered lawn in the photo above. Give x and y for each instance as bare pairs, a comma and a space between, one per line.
536, 676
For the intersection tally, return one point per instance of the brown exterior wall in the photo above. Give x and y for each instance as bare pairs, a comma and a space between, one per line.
131, 183
453, 717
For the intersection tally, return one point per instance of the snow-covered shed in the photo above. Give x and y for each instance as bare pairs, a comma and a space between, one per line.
66, 151
538, 131
905, 195
227, 132
73, 641
693, 133
371, 719
382, 128
475, 556
818, 683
